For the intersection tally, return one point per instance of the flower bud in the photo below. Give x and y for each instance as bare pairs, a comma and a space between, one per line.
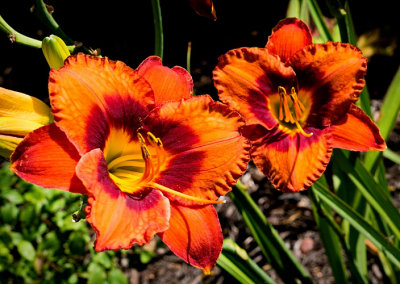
55, 51
19, 115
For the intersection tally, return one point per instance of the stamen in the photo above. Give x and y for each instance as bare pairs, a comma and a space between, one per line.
189, 197
285, 113
298, 106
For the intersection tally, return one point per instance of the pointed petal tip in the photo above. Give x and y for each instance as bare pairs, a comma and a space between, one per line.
199, 246
207, 270
357, 132
168, 84
288, 36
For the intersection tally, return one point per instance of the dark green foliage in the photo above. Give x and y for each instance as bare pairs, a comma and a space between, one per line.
39, 242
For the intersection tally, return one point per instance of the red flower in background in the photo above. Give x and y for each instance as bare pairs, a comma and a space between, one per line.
204, 8
298, 102
152, 159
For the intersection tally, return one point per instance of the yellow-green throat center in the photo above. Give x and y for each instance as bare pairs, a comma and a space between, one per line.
291, 109
134, 165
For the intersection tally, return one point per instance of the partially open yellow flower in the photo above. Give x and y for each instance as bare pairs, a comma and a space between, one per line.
19, 115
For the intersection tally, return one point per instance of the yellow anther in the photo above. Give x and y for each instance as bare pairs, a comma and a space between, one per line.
141, 139
145, 152
285, 113
154, 140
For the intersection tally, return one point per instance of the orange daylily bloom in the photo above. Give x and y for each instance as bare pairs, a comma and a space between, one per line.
298, 101
147, 170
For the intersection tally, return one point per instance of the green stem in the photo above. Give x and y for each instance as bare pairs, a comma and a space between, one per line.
18, 37
43, 14
158, 29
188, 56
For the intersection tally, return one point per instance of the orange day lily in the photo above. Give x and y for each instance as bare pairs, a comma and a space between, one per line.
151, 158
298, 100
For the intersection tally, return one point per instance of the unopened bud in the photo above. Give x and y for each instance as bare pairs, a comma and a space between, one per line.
55, 51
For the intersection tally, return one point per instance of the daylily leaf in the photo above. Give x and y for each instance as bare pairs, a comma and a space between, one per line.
329, 238
371, 191
346, 212
319, 21
235, 261
388, 115
271, 244
391, 155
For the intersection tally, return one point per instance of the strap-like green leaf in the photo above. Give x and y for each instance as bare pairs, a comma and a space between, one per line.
234, 260
269, 241
388, 115
372, 191
346, 212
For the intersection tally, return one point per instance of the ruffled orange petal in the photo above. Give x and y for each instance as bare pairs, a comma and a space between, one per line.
46, 158
168, 84
194, 235
333, 74
205, 152
357, 132
90, 93
293, 163
204, 8
119, 219
289, 36
245, 78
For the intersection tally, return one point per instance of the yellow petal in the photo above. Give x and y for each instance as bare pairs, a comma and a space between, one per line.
20, 106
8, 145
16, 126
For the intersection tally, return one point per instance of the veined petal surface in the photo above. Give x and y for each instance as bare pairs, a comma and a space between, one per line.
119, 219
289, 36
89, 94
194, 235
333, 73
245, 78
293, 162
205, 152
357, 132
21, 106
168, 84
46, 157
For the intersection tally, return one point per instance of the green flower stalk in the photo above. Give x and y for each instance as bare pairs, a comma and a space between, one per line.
55, 51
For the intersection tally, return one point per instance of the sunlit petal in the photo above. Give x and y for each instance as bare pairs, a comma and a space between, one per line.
194, 235
168, 84
293, 163
333, 73
46, 158
206, 154
90, 93
119, 219
289, 36
245, 78
357, 132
